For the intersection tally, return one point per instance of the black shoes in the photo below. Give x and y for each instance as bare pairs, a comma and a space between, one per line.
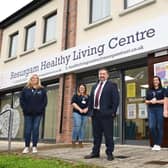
110, 157
91, 156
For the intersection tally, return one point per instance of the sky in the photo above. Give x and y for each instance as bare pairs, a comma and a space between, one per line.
8, 7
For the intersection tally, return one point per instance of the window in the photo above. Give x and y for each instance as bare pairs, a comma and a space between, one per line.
130, 3
99, 9
30, 37
49, 28
136, 116
13, 45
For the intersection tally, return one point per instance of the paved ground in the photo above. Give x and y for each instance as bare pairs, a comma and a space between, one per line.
126, 156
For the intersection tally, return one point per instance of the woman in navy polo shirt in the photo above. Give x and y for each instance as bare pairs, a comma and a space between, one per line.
80, 109
155, 100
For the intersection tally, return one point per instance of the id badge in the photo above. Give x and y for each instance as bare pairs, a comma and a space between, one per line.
83, 102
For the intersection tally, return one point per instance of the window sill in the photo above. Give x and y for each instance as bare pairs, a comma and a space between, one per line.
27, 52
136, 7
47, 44
10, 59
97, 23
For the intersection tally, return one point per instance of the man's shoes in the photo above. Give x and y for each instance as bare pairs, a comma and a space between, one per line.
110, 157
91, 156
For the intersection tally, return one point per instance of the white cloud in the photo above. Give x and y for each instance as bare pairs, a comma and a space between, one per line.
8, 7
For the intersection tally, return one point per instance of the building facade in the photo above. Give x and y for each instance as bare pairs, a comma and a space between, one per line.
66, 42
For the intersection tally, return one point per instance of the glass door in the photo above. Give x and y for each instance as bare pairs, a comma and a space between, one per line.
136, 117
116, 78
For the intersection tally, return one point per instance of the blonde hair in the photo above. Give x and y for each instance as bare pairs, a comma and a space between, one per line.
29, 83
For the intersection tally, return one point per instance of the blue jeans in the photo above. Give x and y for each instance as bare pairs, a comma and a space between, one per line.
156, 125
31, 129
79, 122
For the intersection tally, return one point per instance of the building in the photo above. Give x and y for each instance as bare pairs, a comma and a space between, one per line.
66, 42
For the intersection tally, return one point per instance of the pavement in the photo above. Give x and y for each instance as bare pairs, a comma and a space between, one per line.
126, 156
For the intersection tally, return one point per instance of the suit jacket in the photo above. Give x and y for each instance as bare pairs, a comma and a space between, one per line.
109, 100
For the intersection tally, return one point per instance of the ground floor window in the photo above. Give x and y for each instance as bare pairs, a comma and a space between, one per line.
136, 116
10, 101
114, 77
51, 115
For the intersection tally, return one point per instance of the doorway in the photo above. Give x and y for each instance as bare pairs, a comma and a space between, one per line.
115, 76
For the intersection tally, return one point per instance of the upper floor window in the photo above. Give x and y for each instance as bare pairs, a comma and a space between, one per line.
13, 45
49, 28
130, 3
30, 37
99, 9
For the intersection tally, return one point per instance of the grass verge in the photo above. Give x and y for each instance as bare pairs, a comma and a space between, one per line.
20, 161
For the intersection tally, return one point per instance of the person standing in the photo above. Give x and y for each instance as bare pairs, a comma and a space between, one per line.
155, 99
33, 101
80, 108
104, 100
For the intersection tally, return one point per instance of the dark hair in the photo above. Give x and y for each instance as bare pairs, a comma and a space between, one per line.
104, 69
82, 84
160, 83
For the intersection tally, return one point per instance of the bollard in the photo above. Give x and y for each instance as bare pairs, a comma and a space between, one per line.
10, 130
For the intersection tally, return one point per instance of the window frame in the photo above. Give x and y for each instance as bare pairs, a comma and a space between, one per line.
45, 25
91, 14
11, 37
126, 4
26, 35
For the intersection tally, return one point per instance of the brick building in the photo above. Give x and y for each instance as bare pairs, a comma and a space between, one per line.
66, 42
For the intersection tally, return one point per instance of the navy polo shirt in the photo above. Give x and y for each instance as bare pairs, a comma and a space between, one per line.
81, 101
159, 94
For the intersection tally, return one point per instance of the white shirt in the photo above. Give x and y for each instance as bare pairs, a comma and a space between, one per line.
104, 82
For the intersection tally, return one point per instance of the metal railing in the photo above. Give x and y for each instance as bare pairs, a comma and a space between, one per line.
9, 127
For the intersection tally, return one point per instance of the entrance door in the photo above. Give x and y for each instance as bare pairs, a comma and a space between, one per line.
136, 117
116, 78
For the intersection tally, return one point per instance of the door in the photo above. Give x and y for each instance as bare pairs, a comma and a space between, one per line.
115, 77
136, 116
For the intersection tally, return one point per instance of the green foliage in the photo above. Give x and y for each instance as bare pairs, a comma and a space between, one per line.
21, 161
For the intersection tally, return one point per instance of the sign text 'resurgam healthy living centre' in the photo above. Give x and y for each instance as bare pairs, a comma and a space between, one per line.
138, 40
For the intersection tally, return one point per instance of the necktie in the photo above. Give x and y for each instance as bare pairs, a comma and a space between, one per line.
97, 94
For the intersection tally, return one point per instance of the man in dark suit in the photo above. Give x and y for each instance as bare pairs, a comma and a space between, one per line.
104, 100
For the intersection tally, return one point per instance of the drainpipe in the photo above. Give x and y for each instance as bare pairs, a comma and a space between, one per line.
65, 47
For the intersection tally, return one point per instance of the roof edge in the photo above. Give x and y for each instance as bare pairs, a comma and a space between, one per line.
27, 9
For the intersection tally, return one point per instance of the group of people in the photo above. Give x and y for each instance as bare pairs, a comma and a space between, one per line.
101, 105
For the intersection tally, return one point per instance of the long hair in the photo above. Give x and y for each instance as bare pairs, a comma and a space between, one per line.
29, 83
160, 83
85, 92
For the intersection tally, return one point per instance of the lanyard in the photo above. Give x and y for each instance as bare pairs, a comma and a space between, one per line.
154, 94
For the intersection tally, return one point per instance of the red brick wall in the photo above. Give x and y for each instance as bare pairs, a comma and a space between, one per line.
68, 41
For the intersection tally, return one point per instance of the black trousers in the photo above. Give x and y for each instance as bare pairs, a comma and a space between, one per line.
102, 125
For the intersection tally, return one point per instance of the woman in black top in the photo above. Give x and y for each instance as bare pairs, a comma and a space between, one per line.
80, 109
33, 101
155, 100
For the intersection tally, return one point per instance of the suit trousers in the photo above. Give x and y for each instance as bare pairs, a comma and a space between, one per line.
102, 125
